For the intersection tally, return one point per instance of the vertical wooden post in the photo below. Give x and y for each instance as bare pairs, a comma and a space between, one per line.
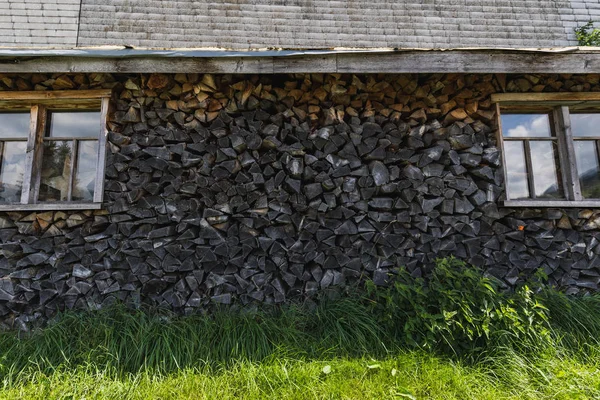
566, 153
529, 166
33, 158
500, 145
102, 139
75, 148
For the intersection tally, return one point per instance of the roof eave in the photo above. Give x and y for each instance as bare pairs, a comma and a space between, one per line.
340, 60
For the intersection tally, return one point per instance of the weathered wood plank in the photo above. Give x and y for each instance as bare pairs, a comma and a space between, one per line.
72, 171
38, 145
54, 95
300, 64
414, 61
544, 97
33, 156
500, 144
470, 62
101, 163
566, 173
256, 65
563, 119
530, 174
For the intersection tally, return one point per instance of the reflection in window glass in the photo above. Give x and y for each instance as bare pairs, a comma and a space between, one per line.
583, 125
56, 171
12, 169
14, 125
526, 125
85, 171
587, 168
544, 156
516, 170
75, 124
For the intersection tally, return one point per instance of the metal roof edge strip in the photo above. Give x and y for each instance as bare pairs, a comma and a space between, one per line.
121, 52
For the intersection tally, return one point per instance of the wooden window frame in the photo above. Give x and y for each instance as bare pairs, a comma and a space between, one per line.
556, 104
40, 104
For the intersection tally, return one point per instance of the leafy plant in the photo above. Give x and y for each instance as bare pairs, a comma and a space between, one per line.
458, 310
587, 35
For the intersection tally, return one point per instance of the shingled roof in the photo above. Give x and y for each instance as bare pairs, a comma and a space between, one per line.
293, 24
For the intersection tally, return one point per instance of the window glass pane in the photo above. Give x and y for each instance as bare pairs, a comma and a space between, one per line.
526, 125
587, 168
585, 125
85, 172
74, 124
56, 171
14, 125
11, 171
516, 170
544, 159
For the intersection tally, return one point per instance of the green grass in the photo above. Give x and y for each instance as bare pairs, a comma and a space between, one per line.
354, 347
406, 375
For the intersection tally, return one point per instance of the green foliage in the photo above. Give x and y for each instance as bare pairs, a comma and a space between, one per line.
575, 321
378, 344
587, 35
404, 375
346, 324
134, 340
458, 310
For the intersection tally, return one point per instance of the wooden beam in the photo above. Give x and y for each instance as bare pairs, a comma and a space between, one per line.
54, 95
33, 157
101, 157
413, 61
562, 121
544, 97
54, 99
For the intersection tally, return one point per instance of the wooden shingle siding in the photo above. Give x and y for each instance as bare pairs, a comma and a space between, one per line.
304, 24
298, 24
39, 23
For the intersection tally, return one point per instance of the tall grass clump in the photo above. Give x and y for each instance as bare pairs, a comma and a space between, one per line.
133, 340
458, 311
575, 321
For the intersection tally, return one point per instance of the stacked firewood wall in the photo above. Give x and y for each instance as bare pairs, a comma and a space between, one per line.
265, 189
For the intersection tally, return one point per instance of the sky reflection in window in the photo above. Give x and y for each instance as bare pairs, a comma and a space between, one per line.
526, 125
74, 124
14, 125
585, 125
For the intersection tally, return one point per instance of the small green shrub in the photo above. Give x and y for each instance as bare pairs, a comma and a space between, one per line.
458, 310
587, 35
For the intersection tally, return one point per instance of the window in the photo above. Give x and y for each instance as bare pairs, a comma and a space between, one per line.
52, 149
551, 148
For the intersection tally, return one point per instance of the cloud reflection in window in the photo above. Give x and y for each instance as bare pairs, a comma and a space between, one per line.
526, 125
544, 156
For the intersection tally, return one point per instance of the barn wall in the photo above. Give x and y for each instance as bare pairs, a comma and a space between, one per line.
265, 189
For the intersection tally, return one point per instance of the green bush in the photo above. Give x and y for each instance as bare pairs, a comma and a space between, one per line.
458, 310
587, 35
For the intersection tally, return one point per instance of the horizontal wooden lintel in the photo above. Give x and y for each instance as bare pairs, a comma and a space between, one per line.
55, 94
54, 99
417, 61
560, 97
